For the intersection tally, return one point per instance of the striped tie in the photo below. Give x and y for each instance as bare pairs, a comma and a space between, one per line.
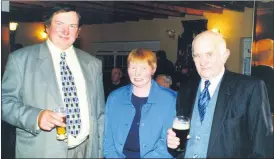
203, 101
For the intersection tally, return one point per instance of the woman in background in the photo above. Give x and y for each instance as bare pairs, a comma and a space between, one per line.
139, 114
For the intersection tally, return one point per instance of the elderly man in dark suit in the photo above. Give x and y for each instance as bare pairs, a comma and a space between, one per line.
230, 113
43, 77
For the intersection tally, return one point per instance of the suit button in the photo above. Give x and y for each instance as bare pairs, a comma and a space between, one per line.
195, 156
198, 137
144, 145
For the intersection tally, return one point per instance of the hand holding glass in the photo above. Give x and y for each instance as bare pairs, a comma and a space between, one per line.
61, 131
181, 126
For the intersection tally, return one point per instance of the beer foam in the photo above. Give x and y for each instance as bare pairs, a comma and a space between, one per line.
180, 126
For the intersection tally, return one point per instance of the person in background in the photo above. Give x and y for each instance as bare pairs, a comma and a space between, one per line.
266, 73
138, 114
43, 77
164, 66
116, 81
230, 112
164, 80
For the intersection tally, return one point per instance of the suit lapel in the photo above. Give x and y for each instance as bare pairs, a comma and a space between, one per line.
88, 74
220, 109
48, 71
87, 70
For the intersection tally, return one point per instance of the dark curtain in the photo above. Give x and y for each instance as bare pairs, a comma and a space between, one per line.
184, 67
184, 55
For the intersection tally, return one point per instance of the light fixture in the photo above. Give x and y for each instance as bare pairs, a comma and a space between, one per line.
44, 35
13, 26
171, 33
216, 30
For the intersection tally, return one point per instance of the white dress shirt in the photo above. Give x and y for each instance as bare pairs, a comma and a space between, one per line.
80, 83
213, 83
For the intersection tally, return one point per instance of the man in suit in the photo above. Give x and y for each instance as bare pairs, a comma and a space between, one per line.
43, 77
164, 66
115, 82
230, 113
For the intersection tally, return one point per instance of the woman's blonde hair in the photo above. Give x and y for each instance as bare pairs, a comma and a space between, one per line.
143, 55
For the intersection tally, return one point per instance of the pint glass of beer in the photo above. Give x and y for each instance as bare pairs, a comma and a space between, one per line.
181, 125
61, 131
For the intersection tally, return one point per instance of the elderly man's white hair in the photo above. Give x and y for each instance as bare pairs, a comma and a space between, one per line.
216, 38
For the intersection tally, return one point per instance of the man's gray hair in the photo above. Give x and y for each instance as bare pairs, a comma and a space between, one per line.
167, 79
219, 39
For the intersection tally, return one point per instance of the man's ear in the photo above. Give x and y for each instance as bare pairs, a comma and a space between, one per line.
47, 29
79, 30
226, 55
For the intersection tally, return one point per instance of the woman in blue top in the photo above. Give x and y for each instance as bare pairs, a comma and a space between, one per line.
139, 114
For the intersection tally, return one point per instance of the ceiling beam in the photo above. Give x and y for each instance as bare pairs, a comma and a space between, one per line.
83, 8
230, 5
108, 8
94, 18
98, 18
196, 5
179, 9
25, 17
98, 12
127, 6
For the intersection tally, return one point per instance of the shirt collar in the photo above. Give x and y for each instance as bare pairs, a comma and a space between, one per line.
152, 98
53, 48
213, 83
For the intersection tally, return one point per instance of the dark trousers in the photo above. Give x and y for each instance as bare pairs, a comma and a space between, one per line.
8, 139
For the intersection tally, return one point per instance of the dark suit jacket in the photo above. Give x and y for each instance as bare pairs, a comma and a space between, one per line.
242, 123
266, 73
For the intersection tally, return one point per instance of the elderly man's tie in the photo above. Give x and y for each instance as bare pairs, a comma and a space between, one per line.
203, 101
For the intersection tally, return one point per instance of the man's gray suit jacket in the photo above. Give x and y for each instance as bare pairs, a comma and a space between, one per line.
29, 85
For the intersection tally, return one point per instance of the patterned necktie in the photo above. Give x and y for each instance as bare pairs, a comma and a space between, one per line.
70, 98
203, 101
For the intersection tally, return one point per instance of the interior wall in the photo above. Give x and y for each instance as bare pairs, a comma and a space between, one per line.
234, 25
29, 33
136, 31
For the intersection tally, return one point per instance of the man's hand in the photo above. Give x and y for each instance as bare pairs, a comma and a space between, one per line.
47, 120
172, 141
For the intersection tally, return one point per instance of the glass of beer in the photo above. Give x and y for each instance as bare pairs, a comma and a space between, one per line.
61, 131
181, 126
